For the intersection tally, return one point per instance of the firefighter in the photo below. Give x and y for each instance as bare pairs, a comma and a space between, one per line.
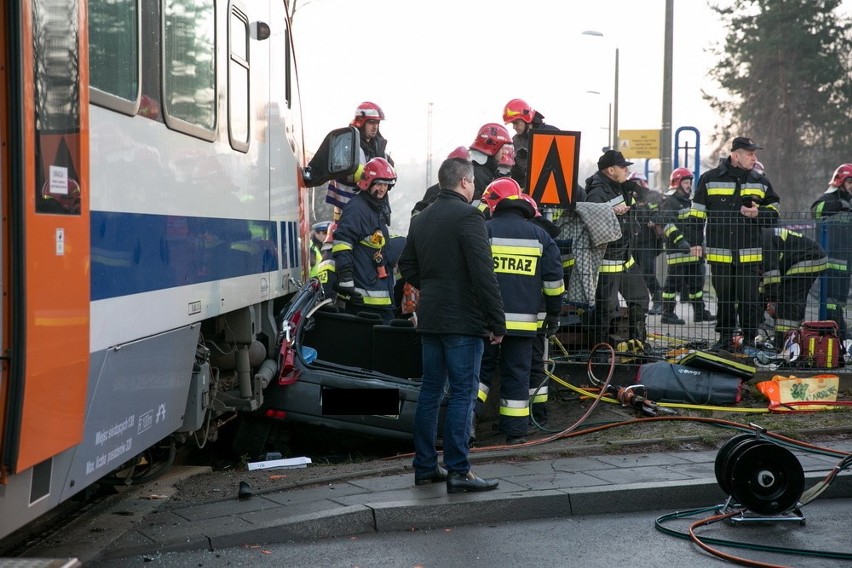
834, 210
523, 119
527, 265
606, 186
791, 263
539, 382
685, 265
364, 268
647, 240
736, 203
368, 116
486, 151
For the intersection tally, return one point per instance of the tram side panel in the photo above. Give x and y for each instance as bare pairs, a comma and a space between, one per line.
184, 230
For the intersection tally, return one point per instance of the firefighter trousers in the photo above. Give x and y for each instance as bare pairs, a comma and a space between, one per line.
539, 382
686, 279
837, 291
790, 309
513, 357
738, 292
632, 286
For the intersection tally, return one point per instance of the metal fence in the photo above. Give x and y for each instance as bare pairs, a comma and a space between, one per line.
673, 318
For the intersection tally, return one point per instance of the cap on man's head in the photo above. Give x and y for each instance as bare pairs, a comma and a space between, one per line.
612, 158
321, 226
744, 143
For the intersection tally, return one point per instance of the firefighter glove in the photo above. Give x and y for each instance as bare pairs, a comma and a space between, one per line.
683, 245
551, 325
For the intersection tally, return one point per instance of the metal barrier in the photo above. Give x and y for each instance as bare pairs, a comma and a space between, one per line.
679, 308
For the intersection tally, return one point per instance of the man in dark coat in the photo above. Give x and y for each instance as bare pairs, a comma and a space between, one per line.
448, 258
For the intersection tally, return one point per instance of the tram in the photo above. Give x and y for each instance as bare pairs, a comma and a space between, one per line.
152, 214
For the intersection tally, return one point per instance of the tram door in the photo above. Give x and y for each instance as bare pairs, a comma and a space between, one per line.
45, 232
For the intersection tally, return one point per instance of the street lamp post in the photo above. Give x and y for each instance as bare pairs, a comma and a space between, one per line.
614, 113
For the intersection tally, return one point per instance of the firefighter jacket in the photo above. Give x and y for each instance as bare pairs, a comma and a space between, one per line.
359, 251
564, 249
834, 210
448, 258
601, 189
647, 204
484, 172
680, 229
788, 253
528, 265
731, 236
589, 227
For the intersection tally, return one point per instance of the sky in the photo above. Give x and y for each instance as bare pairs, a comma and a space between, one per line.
467, 58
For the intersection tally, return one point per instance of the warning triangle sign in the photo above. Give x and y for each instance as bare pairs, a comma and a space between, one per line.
553, 159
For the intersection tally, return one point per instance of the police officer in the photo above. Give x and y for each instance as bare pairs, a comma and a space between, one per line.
606, 186
319, 231
736, 203
364, 267
834, 209
527, 264
685, 269
791, 263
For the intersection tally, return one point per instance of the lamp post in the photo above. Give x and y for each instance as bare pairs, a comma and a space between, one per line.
614, 138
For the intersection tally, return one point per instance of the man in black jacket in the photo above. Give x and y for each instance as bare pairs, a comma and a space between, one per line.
448, 258
618, 270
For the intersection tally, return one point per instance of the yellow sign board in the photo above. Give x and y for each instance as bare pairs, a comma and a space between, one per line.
639, 143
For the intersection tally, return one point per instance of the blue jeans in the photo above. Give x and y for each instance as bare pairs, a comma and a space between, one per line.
453, 358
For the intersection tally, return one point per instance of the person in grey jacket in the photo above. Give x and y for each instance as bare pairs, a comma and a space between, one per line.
448, 258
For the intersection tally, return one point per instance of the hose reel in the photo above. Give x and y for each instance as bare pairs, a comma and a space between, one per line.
759, 475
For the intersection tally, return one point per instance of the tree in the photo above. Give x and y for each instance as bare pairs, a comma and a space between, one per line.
784, 70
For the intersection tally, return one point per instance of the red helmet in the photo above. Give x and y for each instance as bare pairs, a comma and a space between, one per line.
678, 175
498, 190
518, 109
508, 158
842, 172
377, 170
460, 152
532, 203
491, 138
367, 111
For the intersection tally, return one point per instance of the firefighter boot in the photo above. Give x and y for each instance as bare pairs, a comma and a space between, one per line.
636, 323
669, 315
702, 314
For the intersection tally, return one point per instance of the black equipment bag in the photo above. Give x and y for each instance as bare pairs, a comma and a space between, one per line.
668, 382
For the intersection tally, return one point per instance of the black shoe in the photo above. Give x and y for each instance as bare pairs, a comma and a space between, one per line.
671, 318
704, 316
515, 440
459, 482
439, 474
655, 310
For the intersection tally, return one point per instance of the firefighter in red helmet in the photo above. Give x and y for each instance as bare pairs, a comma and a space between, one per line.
834, 210
684, 262
528, 266
364, 270
523, 119
486, 151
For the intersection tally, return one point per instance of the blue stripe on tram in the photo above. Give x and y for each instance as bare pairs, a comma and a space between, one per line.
134, 252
